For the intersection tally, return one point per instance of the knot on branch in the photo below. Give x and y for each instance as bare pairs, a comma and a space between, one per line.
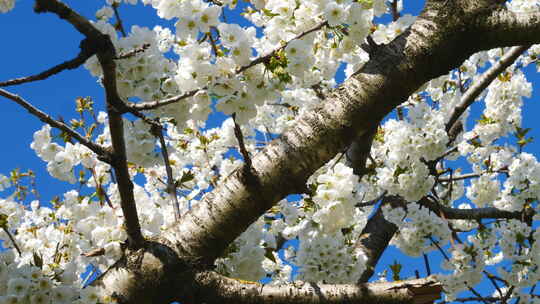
147, 275
371, 47
99, 44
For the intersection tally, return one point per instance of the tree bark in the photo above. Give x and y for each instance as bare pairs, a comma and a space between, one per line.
443, 36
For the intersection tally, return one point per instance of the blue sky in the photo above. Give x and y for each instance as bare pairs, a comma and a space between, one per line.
32, 43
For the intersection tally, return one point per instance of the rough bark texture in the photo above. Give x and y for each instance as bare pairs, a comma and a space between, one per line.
222, 290
373, 240
443, 36
431, 47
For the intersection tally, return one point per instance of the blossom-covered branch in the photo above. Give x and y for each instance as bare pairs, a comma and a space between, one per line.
106, 53
471, 214
483, 82
149, 105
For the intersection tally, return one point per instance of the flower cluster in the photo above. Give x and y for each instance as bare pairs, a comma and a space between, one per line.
146, 75
418, 229
406, 146
6, 5
62, 160
268, 74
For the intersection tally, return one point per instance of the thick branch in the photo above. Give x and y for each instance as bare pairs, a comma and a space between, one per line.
103, 154
80, 23
373, 240
378, 232
429, 48
219, 289
501, 27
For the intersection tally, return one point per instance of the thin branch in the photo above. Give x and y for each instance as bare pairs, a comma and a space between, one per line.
102, 153
467, 176
213, 42
373, 240
469, 214
133, 52
12, 239
373, 201
482, 299
99, 189
67, 65
395, 17
157, 131
250, 175
426, 262
493, 282
460, 177
241, 144
483, 82
149, 105
472, 299
395, 12
267, 57
104, 48
119, 26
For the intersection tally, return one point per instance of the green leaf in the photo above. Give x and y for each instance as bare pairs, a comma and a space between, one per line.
269, 254
186, 177
269, 13
38, 260
3, 220
484, 120
396, 269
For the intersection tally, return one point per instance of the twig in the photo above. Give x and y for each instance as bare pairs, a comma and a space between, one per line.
266, 57
460, 177
212, 42
119, 26
395, 13
149, 105
157, 131
241, 145
472, 299
482, 299
493, 282
426, 262
12, 240
469, 175
439, 248
99, 188
133, 52
372, 202
67, 65
102, 153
